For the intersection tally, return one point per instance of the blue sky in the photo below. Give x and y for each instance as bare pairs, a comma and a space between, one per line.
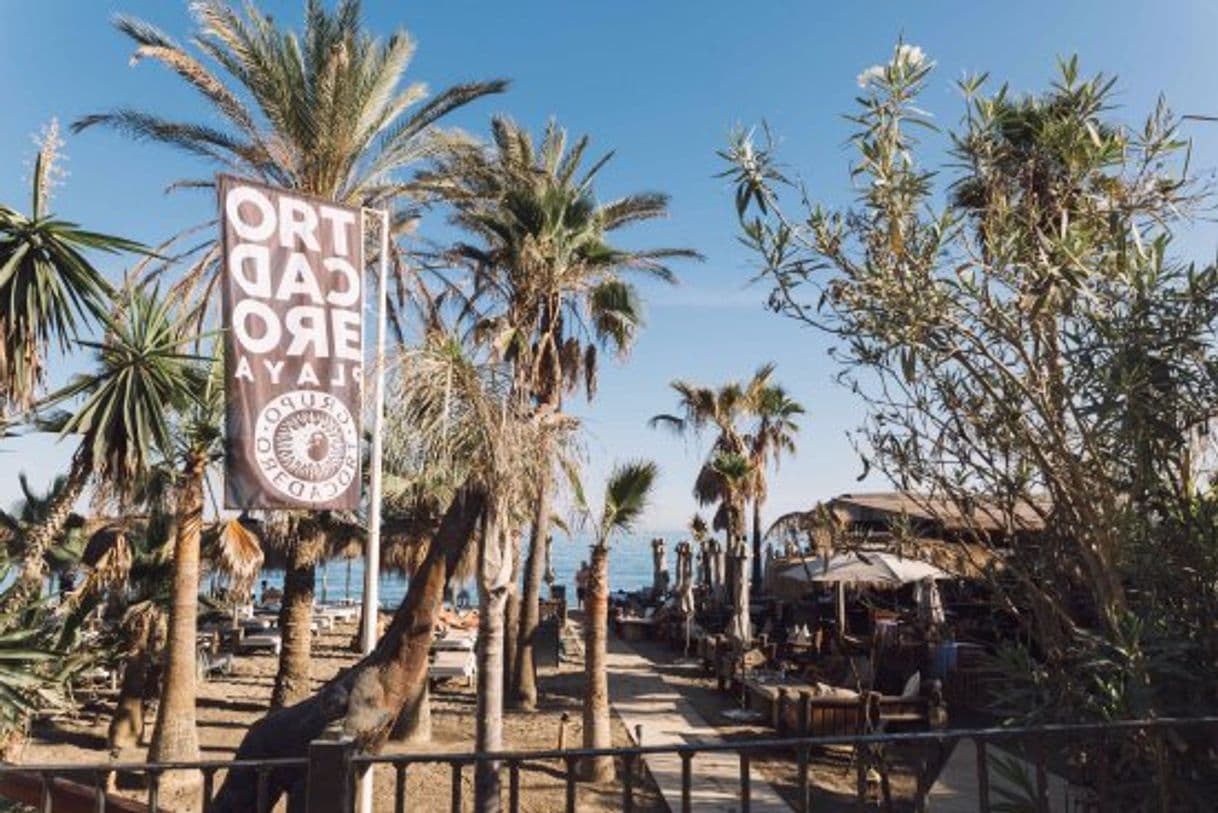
662, 84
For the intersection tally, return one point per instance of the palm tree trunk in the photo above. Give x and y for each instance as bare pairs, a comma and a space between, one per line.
757, 545
127, 723
176, 737
525, 696
597, 733
494, 597
369, 696
38, 539
511, 622
292, 683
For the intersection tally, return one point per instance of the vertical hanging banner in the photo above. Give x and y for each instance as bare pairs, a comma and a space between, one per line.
293, 348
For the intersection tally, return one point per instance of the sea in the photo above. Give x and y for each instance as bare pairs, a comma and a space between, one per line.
630, 568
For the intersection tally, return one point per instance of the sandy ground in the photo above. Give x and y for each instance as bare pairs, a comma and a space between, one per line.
228, 705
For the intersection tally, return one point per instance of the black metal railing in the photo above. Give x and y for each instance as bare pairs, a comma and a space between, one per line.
1032, 739
333, 767
62, 787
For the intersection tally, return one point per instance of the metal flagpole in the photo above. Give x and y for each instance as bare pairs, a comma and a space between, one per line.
372, 554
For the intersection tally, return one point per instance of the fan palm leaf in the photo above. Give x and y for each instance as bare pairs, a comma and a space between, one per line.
323, 111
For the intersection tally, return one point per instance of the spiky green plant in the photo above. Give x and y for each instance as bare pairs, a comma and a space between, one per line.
123, 419
48, 287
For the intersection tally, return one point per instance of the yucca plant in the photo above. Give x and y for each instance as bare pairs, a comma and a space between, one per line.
49, 290
122, 420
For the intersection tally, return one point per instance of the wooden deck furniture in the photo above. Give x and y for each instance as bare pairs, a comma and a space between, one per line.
794, 709
635, 629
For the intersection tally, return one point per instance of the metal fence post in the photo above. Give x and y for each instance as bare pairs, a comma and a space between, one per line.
330, 786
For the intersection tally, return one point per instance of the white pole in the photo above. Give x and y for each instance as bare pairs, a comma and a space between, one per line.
372, 554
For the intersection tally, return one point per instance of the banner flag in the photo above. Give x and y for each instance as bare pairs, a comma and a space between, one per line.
293, 348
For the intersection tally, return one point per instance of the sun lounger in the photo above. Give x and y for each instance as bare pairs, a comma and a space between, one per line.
448, 664
456, 641
339, 612
266, 639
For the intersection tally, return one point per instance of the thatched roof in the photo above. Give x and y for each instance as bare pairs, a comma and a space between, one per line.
983, 515
884, 511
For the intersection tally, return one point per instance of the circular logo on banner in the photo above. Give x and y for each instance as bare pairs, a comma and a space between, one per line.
307, 445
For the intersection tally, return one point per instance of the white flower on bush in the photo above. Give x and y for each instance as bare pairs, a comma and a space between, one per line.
873, 74
911, 55
906, 57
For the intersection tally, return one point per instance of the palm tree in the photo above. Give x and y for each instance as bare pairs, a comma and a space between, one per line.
322, 113
31, 512
47, 286
302, 540
626, 495
723, 409
773, 434
549, 291
726, 409
198, 440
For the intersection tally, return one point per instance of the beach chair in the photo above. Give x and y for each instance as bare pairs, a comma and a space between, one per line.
455, 641
448, 664
269, 639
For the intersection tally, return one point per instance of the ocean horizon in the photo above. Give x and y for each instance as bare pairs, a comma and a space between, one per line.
630, 568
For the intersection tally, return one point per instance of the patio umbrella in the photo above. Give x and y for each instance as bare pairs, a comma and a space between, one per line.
685, 586
659, 581
549, 578
930, 602
875, 568
739, 628
714, 552
878, 568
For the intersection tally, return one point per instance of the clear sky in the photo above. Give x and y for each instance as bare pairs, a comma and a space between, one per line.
662, 83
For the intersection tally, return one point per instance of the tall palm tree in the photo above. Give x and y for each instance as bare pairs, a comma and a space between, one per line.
724, 410
728, 410
198, 440
550, 291
48, 288
323, 112
626, 494
302, 540
772, 436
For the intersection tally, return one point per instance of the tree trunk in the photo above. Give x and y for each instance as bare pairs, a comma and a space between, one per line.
525, 696
511, 621
176, 737
370, 696
597, 733
494, 576
414, 722
756, 546
292, 683
127, 723
38, 539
